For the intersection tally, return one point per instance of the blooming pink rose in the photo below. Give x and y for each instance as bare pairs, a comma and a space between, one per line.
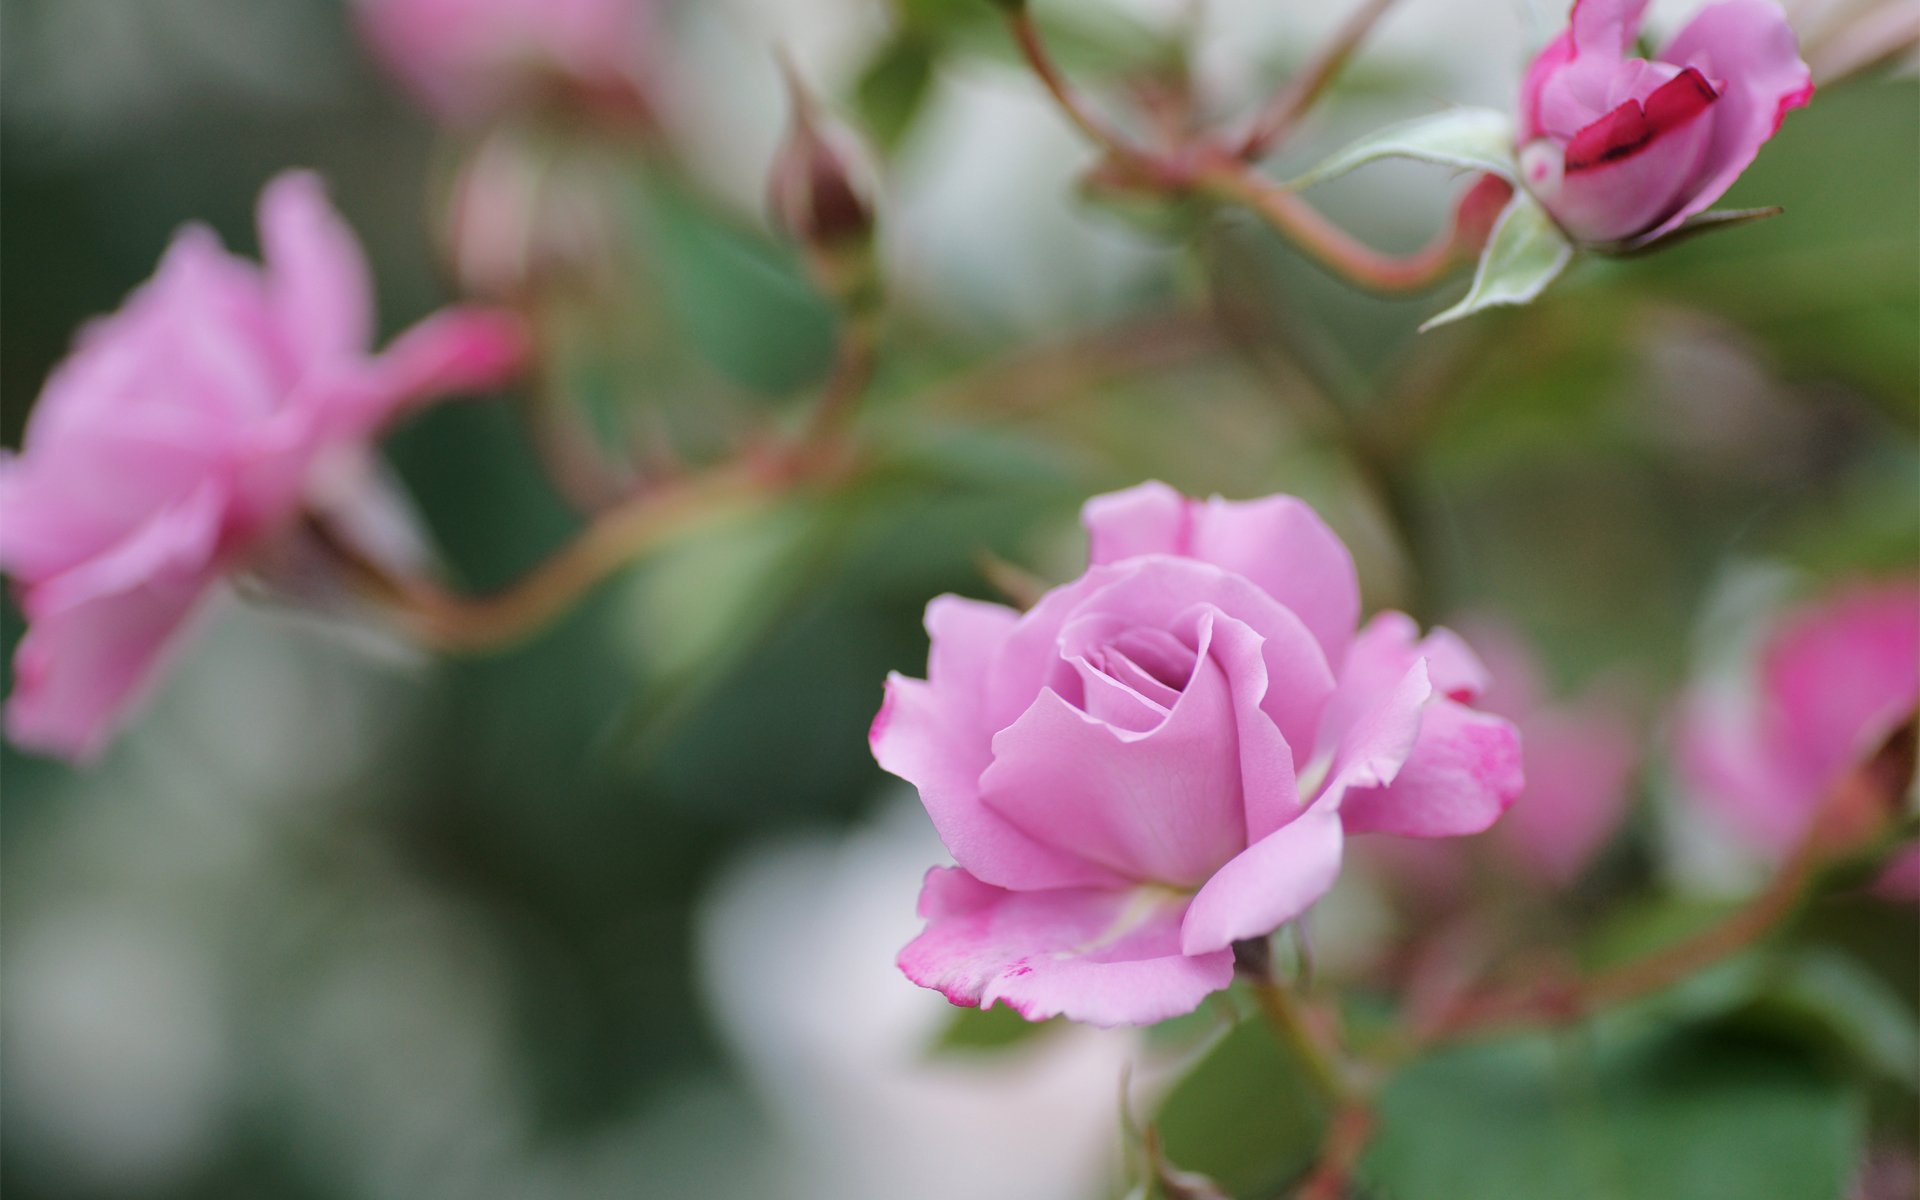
1580, 758
468, 58
184, 434
1623, 149
1835, 679
1164, 757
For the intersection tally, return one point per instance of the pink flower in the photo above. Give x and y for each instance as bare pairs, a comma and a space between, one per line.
186, 433
1580, 757
1165, 756
466, 59
1622, 149
1834, 680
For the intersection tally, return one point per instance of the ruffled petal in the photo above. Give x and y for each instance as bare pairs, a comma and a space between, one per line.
1104, 957
1461, 774
920, 738
1278, 542
1167, 805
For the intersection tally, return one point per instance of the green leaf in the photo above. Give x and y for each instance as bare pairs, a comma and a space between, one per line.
1525, 253
1245, 1115
1841, 1003
1600, 1114
1476, 139
894, 87
741, 298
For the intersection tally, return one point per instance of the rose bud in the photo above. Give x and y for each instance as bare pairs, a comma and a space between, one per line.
184, 439
1165, 757
1801, 737
818, 194
466, 60
1623, 150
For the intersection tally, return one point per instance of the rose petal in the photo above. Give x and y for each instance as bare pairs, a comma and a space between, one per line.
1152, 593
1165, 805
98, 634
1622, 193
1382, 655
1606, 26
919, 736
317, 275
1461, 774
1278, 542
1103, 957
1747, 49
1268, 884
1841, 677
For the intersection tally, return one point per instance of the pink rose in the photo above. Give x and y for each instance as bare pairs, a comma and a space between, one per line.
1620, 148
1834, 680
1580, 758
466, 59
185, 434
1164, 757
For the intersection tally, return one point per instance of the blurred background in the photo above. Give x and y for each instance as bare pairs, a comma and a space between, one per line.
612, 913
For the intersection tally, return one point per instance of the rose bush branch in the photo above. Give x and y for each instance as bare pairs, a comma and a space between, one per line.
1304, 89
1872, 788
1199, 167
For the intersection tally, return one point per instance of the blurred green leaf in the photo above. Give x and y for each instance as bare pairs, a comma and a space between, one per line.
894, 87
1835, 1000
741, 298
1474, 139
1593, 1115
1246, 1115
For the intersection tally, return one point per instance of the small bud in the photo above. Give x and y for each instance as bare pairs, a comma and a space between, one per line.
816, 196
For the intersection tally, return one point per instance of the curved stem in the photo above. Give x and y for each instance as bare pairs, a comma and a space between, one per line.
1026, 36
846, 383
1326, 243
1307, 84
1295, 1029
1347, 1138
609, 542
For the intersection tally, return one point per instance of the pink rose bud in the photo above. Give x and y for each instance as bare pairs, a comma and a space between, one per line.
1835, 681
1580, 757
469, 59
1165, 756
185, 434
1622, 149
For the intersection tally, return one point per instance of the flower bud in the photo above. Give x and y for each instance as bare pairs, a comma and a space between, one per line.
817, 197
1621, 150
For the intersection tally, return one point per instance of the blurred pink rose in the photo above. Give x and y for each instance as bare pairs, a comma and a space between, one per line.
469, 58
1834, 680
1580, 756
1620, 148
1164, 757
184, 433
